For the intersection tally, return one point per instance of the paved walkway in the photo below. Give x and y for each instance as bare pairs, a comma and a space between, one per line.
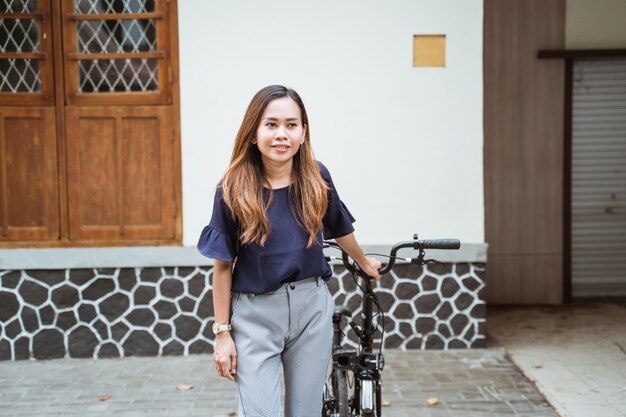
575, 353
467, 383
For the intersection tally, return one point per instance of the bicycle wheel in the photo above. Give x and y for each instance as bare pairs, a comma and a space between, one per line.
340, 390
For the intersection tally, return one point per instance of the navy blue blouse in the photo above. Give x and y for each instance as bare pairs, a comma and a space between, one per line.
284, 258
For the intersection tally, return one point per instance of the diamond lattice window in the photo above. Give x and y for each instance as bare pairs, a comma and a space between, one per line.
113, 6
20, 75
116, 36
19, 35
118, 75
18, 6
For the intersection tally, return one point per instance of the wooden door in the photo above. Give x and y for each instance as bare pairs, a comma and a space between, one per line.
118, 72
29, 209
89, 137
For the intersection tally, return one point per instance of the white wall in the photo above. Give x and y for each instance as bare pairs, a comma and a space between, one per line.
404, 144
595, 24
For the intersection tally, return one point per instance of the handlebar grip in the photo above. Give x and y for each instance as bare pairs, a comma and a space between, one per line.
440, 244
414, 244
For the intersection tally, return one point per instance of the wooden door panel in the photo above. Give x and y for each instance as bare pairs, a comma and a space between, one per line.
147, 173
92, 167
29, 208
142, 167
120, 173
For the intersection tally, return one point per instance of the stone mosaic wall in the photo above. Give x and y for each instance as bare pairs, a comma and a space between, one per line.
85, 313
433, 307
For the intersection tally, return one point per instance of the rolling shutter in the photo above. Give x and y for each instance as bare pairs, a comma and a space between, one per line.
599, 178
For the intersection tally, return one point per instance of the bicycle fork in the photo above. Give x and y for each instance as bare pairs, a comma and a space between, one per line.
367, 396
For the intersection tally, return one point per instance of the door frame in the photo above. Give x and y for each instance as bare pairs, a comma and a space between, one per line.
569, 55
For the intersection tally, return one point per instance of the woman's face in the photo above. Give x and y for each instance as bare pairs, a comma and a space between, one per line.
280, 132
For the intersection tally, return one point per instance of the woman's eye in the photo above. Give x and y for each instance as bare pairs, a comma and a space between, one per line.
271, 124
292, 124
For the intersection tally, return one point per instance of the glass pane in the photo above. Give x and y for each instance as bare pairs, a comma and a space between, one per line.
116, 36
113, 6
18, 6
19, 35
20, 75
117, 75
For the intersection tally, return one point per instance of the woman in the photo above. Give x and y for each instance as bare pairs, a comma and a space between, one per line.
272, 209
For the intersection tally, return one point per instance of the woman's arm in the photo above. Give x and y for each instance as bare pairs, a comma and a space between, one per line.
225, 354
369, 265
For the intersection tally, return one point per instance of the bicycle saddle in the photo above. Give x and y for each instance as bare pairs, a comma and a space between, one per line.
342, 311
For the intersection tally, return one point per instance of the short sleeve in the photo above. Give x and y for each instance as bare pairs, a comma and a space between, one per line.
218, 239
338, 219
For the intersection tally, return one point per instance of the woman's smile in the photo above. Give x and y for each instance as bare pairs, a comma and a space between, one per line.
281, 148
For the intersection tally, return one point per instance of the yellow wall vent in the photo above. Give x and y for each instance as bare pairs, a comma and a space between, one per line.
429, 50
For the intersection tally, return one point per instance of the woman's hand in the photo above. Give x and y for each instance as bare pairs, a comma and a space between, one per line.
368, 265
225, 356
371, 267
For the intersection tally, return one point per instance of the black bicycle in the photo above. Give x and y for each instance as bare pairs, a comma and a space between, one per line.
354, 387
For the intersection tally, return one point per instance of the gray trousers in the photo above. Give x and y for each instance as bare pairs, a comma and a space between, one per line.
292, 326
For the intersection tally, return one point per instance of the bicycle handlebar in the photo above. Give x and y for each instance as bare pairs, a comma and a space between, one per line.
416, 244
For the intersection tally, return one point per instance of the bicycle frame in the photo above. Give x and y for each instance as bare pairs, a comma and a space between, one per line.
364, 364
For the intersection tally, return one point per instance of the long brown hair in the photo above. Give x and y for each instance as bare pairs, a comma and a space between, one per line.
243, 182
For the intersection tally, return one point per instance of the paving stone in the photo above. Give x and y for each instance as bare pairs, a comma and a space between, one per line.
574, 352
467, 382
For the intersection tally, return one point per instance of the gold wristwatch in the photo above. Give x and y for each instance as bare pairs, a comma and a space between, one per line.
219, 328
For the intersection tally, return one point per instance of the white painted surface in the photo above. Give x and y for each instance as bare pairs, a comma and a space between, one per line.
150, 256
597, 24
403, 144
